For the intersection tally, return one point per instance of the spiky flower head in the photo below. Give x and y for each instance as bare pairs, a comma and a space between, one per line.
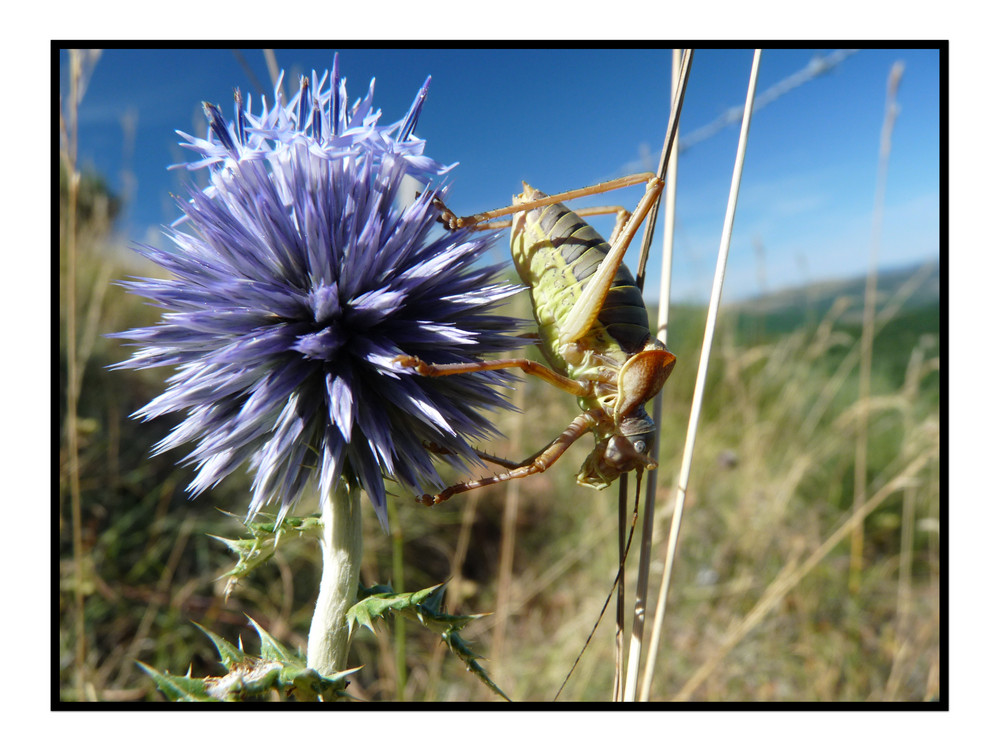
299, 274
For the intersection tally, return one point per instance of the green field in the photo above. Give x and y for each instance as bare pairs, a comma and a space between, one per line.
762, 606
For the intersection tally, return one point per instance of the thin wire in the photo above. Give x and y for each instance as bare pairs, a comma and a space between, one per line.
816, 67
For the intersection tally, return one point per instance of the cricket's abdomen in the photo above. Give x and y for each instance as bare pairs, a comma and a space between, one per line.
555, 253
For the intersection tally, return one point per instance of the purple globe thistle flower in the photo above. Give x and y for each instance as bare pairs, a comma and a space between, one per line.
301, 278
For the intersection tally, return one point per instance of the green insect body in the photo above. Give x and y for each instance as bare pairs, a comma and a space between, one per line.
593, 331
556, 254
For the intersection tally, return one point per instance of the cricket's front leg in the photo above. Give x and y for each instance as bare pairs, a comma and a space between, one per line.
576, 387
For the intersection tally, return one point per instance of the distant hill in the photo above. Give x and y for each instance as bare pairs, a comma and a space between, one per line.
917, 285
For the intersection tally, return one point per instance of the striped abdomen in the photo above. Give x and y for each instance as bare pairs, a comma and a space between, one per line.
555, 253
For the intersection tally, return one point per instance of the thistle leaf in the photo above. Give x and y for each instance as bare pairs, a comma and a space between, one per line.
461, 649
248, 680
260, 546
251, 678
178, 688
376, 602
228, 653
270, 648
426, 607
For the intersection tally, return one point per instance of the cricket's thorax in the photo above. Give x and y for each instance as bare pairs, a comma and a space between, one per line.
555, 253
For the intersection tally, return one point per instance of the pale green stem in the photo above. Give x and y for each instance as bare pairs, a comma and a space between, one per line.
338, 588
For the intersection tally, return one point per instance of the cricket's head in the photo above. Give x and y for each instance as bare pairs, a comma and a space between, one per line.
528, 194
628, 449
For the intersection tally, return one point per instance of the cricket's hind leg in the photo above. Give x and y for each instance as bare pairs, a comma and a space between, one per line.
534, 464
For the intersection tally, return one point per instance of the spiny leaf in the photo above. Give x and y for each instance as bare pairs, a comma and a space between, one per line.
426, 607
461, 649
441, 622
252, 553
178, 688
251, 677
259, 547
270, 648
229, 653
309, 685
379, 600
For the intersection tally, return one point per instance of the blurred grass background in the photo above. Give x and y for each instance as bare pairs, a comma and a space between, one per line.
762, 606
774, 475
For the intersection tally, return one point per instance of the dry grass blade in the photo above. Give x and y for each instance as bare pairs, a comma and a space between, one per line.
789, 577
679, 78
69, 144
627, 692
617, 691
699, 391
668, 149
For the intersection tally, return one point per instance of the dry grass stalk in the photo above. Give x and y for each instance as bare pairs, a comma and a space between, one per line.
836, 381
868, 326
68, 155
699, 391
663, 310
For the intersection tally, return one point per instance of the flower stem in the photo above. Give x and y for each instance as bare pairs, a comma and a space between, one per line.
338, 587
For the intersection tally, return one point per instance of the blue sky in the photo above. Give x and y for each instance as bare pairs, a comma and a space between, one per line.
562, 119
